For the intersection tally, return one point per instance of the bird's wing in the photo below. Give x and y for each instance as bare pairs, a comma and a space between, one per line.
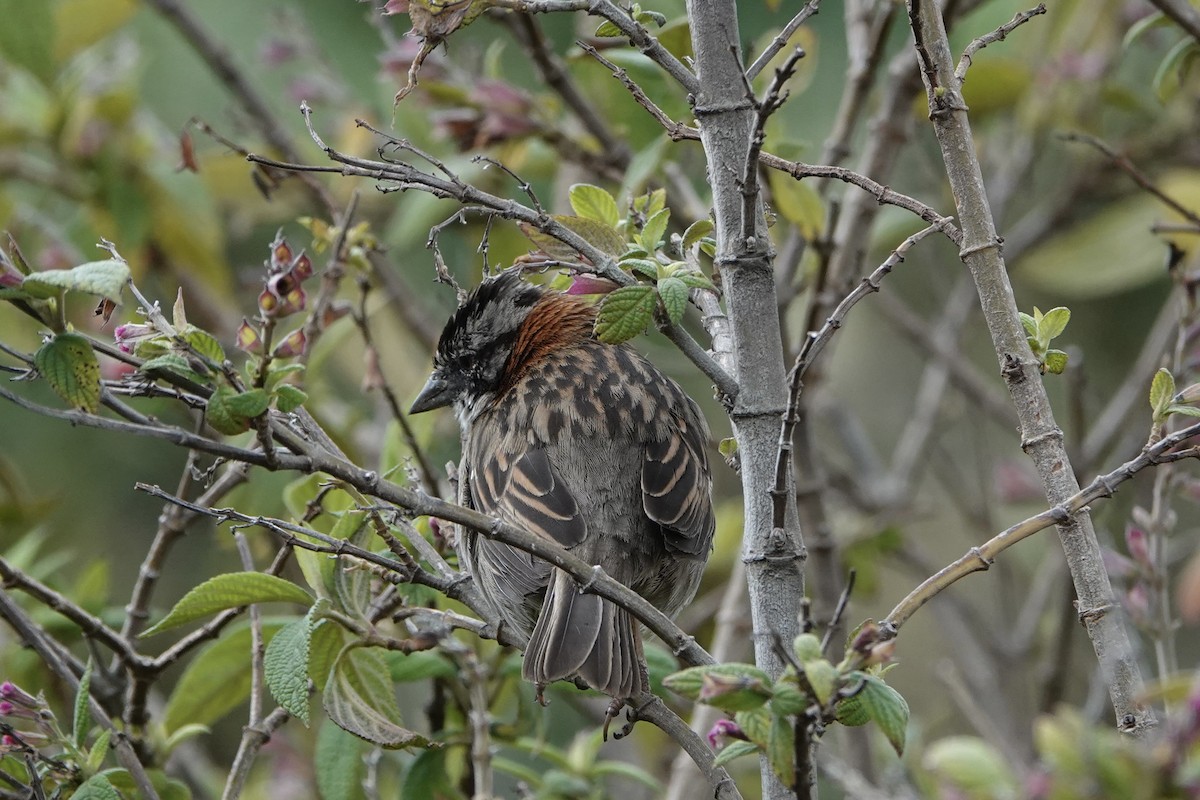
527, 492
676, 488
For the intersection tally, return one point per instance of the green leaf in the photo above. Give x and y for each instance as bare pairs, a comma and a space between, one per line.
172, 362
598, 234
338, 763
361, 699
733, 750
96, 787
99, 750
105, 278
674, 295
423, 664
288, 397
1030, 325
1162, 391
642, 266
823, 677
1053, 323
232, 590
851, 712
695, 232
781, 749
694, 280
727, 447
1155, 20
220, 416
1187, 411
887, 708
788, 699
607, 30
182, 734
1168, 78
83, 712
653, 230
730, 687
1055, 361
798, 203
756, 724
972, 766
27, 37
625, 313
429, 778
285, 666
250, 403
204, 343
69, 365
592, 202
216, 681
807, 647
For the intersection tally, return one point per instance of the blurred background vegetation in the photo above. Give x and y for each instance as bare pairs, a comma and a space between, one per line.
97, 98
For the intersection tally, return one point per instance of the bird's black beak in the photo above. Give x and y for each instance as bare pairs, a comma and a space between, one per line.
437, 394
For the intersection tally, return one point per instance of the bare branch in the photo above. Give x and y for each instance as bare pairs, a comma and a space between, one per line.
998, 35
779, 42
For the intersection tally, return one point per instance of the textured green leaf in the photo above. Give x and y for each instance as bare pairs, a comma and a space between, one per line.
285, 666
1162, 391
756, 724
232, 590
171, 362
695, 232
645, 267
601, 236
83, 707
781, 749
694, 280
338, 763
220, 416
361, 699
592, 202
733, 750
674, 295
96, 787
654, 229
69, 365
807, 647
788, 699
625, 313
204, 343
249, 403
352, 591
216, 681
887, 708
1055, 361
288, 397
1187, 411
99, 750
823, 677
105, 278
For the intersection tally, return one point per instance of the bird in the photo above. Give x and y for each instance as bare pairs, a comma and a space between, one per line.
586, 444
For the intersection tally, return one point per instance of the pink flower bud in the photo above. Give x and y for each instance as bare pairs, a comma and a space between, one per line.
1139, 545
248, 338
724, 728
292, 345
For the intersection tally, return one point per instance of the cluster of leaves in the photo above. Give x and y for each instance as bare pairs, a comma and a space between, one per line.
36, 746
1165, 401
640, 246
811, 693
1043, 329
1076, 760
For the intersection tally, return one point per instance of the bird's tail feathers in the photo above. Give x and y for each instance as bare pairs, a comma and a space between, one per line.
585, 635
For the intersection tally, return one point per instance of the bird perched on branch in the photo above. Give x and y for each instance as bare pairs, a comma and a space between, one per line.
588, 445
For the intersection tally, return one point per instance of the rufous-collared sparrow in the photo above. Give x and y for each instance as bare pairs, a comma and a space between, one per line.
587, 444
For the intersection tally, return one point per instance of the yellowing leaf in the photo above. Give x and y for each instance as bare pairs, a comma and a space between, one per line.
69, 365
798, 203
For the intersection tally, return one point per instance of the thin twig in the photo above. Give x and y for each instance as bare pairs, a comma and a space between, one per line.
779, 42
998, 35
